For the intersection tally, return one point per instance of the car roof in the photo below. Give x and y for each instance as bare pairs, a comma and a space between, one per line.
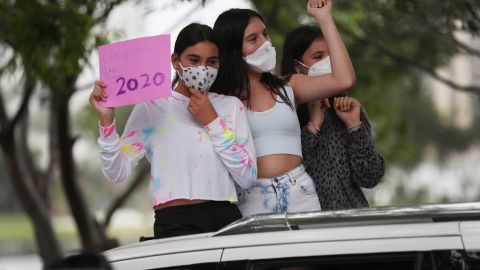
286, 228
353, 217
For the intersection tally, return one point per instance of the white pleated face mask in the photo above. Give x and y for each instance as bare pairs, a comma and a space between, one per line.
263, 59
198, 77
319, 68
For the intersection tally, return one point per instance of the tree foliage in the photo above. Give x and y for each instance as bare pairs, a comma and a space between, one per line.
394, 45
50, 42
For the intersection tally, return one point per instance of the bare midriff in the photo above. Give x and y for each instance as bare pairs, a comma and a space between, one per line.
278, 164
178, 202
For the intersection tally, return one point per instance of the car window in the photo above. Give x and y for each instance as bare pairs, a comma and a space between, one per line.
474, 259
445, 260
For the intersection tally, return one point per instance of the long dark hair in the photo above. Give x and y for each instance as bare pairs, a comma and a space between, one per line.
232, 75
296, 43
189, 36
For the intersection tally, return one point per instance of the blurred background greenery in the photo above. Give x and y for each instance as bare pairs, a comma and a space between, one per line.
418, 75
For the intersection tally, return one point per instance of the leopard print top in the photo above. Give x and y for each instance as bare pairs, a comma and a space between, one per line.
342, 163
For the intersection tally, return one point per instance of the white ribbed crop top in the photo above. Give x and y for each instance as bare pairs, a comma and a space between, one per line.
276, 130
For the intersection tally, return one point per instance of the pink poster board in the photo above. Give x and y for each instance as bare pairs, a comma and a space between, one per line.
136, 70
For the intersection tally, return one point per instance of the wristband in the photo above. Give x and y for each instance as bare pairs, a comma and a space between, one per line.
316, 127
354, 127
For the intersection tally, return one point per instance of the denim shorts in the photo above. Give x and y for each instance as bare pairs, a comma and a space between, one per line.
293, 191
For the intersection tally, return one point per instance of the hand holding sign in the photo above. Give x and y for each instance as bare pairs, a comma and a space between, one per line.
98, 94
135, 71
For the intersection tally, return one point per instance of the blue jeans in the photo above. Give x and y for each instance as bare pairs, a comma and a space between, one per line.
293, 191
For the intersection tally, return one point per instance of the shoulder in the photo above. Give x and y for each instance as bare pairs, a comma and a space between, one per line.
289, 91
294, 79
141, 107
149, 109
288, 87
147, 106
223, 101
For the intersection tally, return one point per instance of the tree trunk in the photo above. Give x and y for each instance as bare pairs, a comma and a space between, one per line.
23, 185
48, 245
93, 236
41, 180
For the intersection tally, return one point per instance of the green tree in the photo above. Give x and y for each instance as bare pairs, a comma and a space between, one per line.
394, 44
49, 42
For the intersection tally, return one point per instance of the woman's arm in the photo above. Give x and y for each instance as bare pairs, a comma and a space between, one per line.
235, 146
367, 165
310, 141
312, 131
342, 77
120, 155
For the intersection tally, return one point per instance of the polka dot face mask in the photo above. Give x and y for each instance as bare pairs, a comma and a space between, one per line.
198, 77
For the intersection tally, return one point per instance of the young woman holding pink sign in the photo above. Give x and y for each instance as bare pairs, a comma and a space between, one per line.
198, 143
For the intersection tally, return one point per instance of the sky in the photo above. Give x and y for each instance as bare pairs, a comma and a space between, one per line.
161, 21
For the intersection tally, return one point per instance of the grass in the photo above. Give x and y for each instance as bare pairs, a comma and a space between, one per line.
15, 228
16, 233
19, 228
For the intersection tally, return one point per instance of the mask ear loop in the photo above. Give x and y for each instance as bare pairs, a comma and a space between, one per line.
295, 66
299, 63
181, 66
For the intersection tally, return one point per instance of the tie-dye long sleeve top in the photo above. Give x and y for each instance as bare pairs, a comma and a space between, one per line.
188, 161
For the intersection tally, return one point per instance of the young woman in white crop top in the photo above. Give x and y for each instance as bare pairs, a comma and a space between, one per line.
247, 59
198, 143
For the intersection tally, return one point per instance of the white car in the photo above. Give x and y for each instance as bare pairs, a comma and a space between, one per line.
422, 237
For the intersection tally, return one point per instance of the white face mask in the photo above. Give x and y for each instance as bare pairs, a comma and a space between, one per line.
198, 77
263, 59
319, 68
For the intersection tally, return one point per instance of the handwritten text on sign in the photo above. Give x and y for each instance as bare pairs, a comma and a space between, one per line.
136, 70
